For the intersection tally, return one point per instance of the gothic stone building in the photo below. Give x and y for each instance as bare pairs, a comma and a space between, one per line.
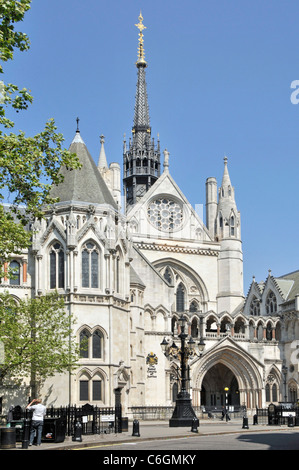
129, 272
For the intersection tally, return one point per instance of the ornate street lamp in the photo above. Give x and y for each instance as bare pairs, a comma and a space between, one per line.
284, 371
183, 414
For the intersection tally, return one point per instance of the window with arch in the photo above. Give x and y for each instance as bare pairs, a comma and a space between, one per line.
271, 303
167, 275
193, 306
271, 388
180, 298
15, 267
255, 306
232, 226
194, 328
90, 265
117, 280
91, 388
220, 221
293, 393
91, 344
274, 393
56, 266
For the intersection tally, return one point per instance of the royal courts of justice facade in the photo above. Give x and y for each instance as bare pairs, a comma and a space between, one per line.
130, 262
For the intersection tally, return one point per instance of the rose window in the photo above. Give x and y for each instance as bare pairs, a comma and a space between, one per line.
165, 214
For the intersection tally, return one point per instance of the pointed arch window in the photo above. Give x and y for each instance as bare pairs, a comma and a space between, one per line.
232, 226
90, 265
194, 328
180, 298
91, 388
91, 344
167, 275
274, 393
193, 306
97, 344
117, 274
255, 307
220, 221
56, 266
268, 392
15, 280
84, 340
271, 303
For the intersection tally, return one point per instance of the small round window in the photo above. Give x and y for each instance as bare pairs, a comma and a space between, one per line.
165, 214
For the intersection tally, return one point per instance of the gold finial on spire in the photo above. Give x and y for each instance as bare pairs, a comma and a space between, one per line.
141, 27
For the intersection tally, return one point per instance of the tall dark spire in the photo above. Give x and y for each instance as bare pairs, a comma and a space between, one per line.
141, 130
141, 159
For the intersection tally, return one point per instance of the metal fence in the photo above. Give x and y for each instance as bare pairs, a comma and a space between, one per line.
281, 414
94, 420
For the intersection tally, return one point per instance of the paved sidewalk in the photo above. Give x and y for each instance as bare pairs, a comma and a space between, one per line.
153, 430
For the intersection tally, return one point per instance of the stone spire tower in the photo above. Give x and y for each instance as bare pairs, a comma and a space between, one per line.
141, 159
230, 260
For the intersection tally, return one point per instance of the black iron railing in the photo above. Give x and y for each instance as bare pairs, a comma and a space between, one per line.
94, 419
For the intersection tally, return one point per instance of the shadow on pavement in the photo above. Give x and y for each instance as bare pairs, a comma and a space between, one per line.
273, 441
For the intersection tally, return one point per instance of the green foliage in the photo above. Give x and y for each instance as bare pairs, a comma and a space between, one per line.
38, 339
12, 12
28, 165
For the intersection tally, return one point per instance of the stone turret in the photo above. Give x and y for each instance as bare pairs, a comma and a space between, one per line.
230, 260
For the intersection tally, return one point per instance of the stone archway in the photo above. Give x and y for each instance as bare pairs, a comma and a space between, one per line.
228, 362
215, 380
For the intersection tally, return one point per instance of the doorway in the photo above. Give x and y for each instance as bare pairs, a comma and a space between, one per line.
216, 379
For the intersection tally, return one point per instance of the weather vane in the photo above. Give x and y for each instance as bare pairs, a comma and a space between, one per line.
141, 27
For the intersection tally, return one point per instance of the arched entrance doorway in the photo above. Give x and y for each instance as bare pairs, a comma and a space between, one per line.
215, 380
227, 365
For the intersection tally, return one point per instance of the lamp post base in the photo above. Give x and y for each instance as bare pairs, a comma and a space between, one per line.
183, 415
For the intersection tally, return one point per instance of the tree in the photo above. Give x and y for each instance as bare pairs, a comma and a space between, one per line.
28, 165
37, 335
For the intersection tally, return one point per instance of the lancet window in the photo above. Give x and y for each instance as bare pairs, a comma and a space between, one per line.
271, 303
56, 266
90, 265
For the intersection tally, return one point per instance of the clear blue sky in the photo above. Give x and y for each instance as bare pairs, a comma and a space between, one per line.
219, 83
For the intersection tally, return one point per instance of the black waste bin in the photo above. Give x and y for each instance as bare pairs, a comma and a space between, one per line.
19, 427
54, 430
124, 424
7, 438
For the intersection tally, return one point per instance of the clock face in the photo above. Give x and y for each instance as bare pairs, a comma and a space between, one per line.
165, 214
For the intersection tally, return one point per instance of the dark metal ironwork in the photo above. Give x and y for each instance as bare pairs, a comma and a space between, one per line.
94, 419
278, 414
183, 414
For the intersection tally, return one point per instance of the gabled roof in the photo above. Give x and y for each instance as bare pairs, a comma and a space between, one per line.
85, 184
290, 284
161, 186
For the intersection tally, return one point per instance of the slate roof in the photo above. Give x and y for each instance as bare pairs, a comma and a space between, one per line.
85, 184
293, 284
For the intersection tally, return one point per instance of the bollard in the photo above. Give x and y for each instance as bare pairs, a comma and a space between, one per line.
136, 432
290, 421
194, 425
26, 434
255, 420
245, 423
77, 432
